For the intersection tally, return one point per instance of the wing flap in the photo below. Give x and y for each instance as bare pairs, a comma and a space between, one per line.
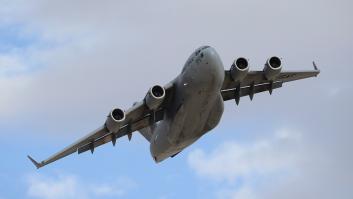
249, 90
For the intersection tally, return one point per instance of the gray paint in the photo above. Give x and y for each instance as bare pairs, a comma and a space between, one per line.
196, 108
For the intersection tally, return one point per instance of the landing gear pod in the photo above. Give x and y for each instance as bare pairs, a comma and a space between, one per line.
155, 97
272, 68
115, 120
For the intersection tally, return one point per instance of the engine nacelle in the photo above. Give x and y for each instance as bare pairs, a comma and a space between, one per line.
239, 69
115, 120
272, 68
155, 97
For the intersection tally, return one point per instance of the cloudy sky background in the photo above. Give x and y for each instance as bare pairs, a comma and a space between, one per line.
65, 64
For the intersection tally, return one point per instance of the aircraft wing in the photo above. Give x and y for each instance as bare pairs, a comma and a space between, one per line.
137, 117
256, 81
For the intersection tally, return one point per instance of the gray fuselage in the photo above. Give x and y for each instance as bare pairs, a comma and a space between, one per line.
197, 106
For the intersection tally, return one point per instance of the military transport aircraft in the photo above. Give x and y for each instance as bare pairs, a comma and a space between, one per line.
174, 116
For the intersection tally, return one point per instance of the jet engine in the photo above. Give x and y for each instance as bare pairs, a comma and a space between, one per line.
239, 69
115, 120
155, 97
272, 68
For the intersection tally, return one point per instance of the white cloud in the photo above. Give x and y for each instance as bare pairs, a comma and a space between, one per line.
285, 165
72, 187
11, 90
49, 188
233, 160
244, 192
10, 64
13, 83
254, 165
107, 190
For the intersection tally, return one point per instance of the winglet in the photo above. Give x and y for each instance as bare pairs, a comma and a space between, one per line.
38, 165
315, 67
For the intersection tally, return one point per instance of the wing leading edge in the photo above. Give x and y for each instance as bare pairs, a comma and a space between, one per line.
138, 117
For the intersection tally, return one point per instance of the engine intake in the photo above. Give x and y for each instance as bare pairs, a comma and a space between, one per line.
115, 119
239, 69
272, 68
155, 97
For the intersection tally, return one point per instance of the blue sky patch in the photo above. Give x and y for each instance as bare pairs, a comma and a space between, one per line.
16, 43
15, 36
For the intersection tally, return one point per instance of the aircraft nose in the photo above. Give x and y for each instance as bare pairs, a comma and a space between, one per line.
212, 65
211, 57
208, 52
200, 50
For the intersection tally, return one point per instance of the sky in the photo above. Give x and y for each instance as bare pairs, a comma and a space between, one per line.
65, 64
